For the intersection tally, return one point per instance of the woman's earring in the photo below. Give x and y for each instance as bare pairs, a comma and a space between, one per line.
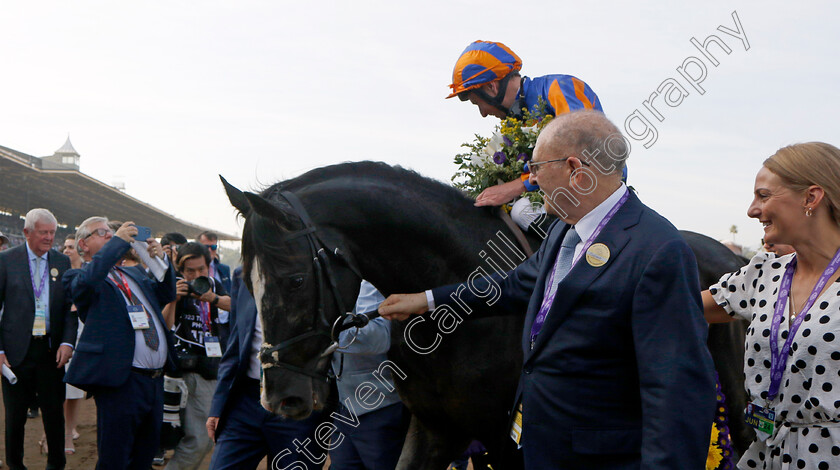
808, 212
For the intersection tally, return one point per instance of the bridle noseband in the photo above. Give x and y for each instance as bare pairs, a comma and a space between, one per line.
269, 354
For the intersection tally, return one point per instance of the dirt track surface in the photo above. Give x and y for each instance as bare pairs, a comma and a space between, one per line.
85, 456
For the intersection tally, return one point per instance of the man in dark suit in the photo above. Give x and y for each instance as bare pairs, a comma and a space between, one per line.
244, 431
616, 374
220, 272
37, 333
125, 344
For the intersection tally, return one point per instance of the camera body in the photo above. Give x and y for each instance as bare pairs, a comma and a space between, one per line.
198, 286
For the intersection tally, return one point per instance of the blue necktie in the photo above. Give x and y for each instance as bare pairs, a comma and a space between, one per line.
561, 269
567, 255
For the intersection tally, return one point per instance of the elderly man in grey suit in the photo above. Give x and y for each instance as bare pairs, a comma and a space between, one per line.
37, 332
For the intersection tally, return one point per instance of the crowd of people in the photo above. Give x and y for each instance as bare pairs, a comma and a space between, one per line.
613, 340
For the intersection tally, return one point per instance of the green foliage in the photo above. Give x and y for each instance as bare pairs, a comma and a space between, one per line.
500, 158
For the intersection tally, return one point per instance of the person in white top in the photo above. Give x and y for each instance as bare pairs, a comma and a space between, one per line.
792, 302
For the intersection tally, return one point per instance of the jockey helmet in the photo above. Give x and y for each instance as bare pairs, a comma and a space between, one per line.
483, 62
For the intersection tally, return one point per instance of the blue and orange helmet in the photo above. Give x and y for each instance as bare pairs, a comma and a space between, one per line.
482, 62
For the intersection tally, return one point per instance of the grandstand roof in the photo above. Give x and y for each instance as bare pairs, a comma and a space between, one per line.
74, 196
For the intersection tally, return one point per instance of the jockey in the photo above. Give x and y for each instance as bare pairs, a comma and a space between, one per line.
487, 75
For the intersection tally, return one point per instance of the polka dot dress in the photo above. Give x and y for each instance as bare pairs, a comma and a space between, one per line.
808, 404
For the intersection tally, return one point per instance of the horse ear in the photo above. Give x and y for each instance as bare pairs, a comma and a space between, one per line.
266, 209
236, 197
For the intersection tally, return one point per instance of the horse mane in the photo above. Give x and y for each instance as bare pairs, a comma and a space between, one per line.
369, 172
333, 194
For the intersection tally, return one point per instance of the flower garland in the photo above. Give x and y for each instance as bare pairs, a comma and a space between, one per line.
720, 447
501, 157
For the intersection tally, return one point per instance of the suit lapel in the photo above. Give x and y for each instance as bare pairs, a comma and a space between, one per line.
138, 279
614, 235
25, 274
56, 294
247, 325
553, 242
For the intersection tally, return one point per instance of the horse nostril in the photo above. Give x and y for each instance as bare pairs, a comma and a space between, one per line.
291, 404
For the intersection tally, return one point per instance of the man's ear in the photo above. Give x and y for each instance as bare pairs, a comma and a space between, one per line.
491, 88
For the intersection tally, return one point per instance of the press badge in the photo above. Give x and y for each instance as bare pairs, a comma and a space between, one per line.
212, 346
39, 327
762, 419
139, 317
516, 428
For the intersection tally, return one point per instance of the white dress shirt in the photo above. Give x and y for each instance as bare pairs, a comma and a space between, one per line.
585, 227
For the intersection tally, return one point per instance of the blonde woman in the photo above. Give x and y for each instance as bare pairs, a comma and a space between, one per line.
792, 302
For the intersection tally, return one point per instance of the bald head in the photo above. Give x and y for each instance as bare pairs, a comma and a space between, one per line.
590, 136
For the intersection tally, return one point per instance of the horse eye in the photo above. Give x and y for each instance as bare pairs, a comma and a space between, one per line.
296, 282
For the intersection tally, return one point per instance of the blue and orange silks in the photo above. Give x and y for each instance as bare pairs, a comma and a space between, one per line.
561, 94
482, 62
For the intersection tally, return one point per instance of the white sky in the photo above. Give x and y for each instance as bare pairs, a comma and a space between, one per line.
151, 92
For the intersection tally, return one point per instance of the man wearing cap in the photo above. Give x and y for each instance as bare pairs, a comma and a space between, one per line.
37, 334
487, 75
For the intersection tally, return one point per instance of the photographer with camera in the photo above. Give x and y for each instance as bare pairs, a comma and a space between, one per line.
194, 318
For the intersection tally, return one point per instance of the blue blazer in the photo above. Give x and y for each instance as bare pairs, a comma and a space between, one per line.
18, 299
237, 357
620, 376
105, 350
224, 274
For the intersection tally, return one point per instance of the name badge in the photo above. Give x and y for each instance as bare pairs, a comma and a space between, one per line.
139, 317
762, 419
212, 346
516, 428
39, 327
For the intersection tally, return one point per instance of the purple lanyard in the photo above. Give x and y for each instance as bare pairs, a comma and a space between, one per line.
779, 358
204, 312
600, 227
40, 289
548, 298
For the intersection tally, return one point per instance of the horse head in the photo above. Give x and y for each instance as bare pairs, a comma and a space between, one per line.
302, 284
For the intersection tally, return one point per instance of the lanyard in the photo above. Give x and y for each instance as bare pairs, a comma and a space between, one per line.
600, 227
204, 311
123, 286
779, 357
40, 289
548, 299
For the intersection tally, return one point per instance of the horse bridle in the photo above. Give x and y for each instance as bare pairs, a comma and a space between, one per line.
321, 326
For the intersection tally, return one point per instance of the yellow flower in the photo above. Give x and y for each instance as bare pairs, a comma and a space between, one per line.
715, 456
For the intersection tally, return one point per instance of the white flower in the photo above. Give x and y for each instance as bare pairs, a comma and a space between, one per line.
532, 130
493, 146
480, 159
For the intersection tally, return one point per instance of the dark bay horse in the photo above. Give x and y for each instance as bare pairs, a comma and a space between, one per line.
308, 241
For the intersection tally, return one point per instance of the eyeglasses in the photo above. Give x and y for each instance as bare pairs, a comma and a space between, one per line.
101, 232
534, 167
212, 247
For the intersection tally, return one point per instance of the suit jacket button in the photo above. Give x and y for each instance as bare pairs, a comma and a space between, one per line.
527, 369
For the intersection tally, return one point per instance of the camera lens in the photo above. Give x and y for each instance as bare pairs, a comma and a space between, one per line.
200, 285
